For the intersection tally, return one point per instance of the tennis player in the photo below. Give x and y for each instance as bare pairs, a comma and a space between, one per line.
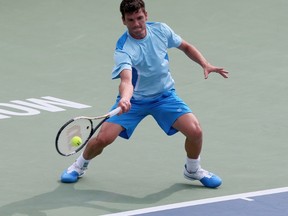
147, 88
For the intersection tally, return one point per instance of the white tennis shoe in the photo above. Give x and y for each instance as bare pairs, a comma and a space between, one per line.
208, 179
72, 174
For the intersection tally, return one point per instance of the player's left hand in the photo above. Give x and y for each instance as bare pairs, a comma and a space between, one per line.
210, 68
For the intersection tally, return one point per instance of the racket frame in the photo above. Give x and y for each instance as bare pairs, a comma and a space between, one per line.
93, 129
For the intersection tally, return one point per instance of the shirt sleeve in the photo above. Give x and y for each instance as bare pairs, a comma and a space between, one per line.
174, 40
122, 61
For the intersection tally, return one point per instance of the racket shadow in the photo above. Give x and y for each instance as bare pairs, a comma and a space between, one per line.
65, 195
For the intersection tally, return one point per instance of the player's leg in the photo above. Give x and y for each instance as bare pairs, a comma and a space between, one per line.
173, 115
107, 134
190, 127
120, 125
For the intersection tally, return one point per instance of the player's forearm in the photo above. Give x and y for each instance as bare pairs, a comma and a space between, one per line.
193, 53
126, 90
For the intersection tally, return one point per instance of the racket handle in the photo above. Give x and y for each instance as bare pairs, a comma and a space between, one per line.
114, 112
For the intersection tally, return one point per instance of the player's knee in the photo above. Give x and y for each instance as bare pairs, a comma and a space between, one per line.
197, 131
102, 140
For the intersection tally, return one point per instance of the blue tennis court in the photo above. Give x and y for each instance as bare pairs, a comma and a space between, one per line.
262, 203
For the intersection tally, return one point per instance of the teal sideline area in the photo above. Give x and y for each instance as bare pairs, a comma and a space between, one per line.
64, 49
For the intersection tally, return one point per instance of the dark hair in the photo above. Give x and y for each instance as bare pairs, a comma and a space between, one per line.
131, 6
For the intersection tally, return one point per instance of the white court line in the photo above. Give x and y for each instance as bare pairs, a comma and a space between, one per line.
247, 199
202, 201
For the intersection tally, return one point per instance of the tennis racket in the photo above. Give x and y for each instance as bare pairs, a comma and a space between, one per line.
76, 132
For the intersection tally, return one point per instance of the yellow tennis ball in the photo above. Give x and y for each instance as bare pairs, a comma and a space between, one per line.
76, 141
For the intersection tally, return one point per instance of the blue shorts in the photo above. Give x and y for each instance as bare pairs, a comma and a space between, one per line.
165, 109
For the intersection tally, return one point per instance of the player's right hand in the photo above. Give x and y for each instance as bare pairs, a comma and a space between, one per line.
125, 105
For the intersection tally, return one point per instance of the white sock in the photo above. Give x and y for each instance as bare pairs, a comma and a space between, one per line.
82, 163
192, 165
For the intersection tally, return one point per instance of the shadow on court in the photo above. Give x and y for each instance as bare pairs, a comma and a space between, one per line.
65, 195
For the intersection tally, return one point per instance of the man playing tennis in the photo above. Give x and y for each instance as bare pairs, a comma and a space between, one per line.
147, 88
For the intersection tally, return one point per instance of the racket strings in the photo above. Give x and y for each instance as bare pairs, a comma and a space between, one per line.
81, 128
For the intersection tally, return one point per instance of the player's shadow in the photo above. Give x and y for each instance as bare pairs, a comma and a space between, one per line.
65, 195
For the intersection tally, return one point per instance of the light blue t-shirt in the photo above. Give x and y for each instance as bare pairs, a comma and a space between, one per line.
148, 60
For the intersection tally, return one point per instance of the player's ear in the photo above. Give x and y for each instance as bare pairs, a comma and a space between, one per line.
145, 14
123, 20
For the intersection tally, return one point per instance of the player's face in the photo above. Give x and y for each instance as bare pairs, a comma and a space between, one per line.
136, 23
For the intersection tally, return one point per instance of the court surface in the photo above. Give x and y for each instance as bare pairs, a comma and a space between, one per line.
60, 53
